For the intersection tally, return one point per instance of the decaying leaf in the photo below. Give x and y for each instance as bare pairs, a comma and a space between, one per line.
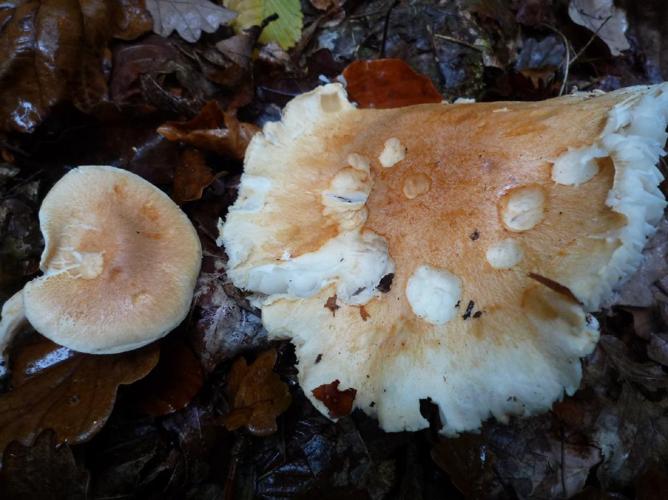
650, 375
339, 403
71, 393
188, 17
174, 382
191, 177
285, 31
258, 395
54, 51
388, 83
206, 132
42, 470
223, 329
604, 19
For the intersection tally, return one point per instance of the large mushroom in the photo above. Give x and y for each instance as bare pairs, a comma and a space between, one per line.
446, 251
119, 265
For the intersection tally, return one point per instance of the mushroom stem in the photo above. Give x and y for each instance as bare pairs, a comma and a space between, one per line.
12, 318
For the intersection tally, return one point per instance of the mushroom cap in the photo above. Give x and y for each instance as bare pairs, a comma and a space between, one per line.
120, 262
503, 224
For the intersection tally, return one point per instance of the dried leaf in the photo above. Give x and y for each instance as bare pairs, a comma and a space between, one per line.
538, 60
205, 131
42, 471
388, 83
258, 395
174, 382
604, 19
327, 4
657, 349
191, 177
632, 434
649, 375
188, 17
339, 403
71, 393
286, 30
55, 50
223, 329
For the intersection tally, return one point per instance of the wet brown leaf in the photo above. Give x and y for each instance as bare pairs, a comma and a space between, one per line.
258, 395
388, 83
339, 403
174, 382
191, 177
187, 17
56, 50
71, 393
206, 131
42, 471
649, 375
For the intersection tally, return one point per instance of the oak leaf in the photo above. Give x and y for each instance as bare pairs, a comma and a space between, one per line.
212, 130
258, 395
188, 17
71, 393
191, 177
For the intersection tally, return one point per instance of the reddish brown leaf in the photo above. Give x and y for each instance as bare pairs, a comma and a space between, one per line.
205, 131
332, 305
192, 177
258, 395
42, 471
388, 83
339, 403
173, 383
71, 393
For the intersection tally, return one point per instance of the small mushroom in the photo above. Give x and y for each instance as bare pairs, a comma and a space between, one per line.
563, 195
119, 265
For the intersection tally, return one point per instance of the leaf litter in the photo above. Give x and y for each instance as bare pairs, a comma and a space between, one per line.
221, 415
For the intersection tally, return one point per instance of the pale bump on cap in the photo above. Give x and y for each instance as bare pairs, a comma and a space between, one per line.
513, 344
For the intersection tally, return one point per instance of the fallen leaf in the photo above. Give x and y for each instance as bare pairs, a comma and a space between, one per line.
657, 349
191, 177
258, 395
223, 329
339, 403
71, 393
649, 375
205, 131
173, 383
42, 471
55, 50
327, 4
604, 19
538, 60
632, 434
286, 30
188, 17
388, 83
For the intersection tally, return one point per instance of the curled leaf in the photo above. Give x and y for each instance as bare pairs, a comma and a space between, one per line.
604, 19
258, 395
42, 471
191, 177
69, 392
212, 130
173, 383
388, 83
339, 403
188, 17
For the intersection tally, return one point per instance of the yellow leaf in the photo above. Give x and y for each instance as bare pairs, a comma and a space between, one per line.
285, 31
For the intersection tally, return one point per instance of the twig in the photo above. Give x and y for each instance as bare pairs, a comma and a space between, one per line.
457, 41
386, 26
567, 64
591, 39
